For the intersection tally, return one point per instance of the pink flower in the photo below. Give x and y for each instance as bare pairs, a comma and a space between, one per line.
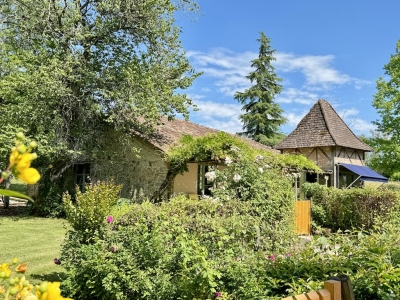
110, 219
271, 257
288, 255
218, 294
57, 261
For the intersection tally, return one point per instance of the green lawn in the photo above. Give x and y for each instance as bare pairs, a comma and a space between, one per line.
36, 241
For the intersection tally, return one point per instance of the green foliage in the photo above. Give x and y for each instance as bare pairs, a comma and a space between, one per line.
262, 116
187, 249
393, 186
386, 156
216, 147
91, 208
370, 260
72, 70
182, 249
387, 103
349, 208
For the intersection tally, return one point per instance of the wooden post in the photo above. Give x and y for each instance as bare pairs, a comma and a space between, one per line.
334, 288
301, 297
312, 296
324, 294
347, 288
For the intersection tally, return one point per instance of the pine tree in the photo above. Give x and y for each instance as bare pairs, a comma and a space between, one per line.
262, 116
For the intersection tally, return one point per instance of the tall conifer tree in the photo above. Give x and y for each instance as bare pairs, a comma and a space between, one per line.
262, 116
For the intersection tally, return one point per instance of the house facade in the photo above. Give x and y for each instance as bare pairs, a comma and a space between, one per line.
322, 136
145, 173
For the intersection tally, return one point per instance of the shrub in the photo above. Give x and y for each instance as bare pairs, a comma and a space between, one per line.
180, 249
349, 208
89, 211
392, 186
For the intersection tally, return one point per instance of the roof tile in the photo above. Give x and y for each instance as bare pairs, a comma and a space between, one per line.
169, 132
322, 126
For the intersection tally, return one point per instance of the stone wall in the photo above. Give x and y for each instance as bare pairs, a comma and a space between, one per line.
135, 164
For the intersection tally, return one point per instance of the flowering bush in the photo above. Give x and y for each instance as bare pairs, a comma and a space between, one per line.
89, 211
14, 287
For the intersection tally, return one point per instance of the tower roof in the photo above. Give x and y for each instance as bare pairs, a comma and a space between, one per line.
322, 126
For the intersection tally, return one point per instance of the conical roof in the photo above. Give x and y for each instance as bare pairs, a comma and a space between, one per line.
322, 126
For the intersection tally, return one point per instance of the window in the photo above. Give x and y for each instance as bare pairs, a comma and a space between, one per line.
311, 177
82, 172
203, 184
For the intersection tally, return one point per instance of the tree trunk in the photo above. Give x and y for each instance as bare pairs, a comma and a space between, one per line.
6, 199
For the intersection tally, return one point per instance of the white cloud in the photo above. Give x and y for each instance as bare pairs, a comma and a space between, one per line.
346, 113
359, 126
317, 69
297, 96
195, 96
294, 118
230, 69
232, 125
221, 116
211, 109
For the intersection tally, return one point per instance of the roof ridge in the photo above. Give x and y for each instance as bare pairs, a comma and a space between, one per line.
351, 131
322, 126
326, 119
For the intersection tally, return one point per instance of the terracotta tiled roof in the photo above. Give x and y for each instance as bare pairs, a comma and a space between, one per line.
169, 133
322, 126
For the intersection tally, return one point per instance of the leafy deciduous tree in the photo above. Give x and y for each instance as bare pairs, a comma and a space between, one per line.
72, 69
387, 102
262, 116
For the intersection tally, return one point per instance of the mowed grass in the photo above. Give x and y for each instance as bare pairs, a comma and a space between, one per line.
36, 241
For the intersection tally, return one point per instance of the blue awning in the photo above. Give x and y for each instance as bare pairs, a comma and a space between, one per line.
366, 174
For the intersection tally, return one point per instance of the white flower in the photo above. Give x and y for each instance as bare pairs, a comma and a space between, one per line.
267, 166
260, 170
236, 177
220, 186
214, 200
228, 161
210, 176
235, 149
258, 158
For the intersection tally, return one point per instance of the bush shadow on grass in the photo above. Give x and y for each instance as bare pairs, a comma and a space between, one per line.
54, 276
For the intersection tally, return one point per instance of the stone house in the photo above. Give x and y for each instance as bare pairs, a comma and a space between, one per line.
324, 137
145, 173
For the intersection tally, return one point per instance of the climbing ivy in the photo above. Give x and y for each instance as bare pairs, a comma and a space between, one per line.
217, 146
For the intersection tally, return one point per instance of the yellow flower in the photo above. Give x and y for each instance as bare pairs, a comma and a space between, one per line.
21, 164
24, 162
52, 292
29, 176
14, 156
15, 260
4, 268
2, 289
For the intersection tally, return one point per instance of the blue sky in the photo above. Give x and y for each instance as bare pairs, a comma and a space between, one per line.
334, 50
